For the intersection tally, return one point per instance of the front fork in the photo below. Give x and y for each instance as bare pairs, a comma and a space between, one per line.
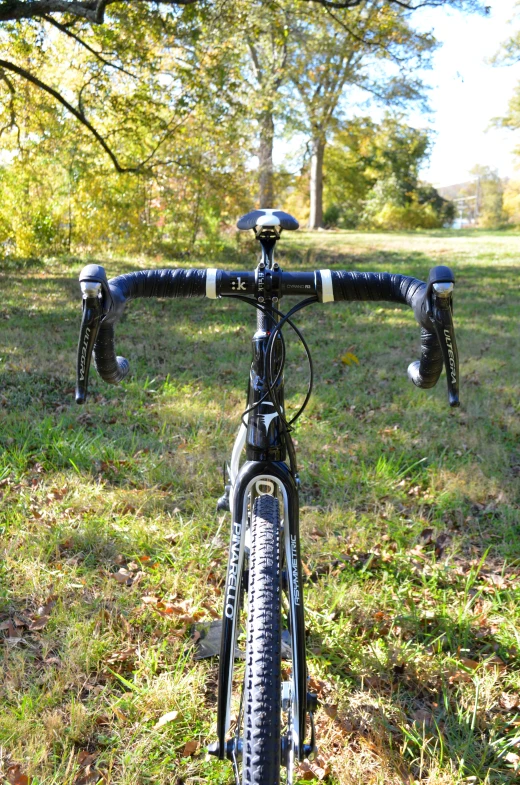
257, 477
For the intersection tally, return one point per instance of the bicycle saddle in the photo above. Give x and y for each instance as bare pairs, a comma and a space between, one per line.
265, 218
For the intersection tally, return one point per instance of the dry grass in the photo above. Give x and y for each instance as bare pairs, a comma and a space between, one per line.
410, 524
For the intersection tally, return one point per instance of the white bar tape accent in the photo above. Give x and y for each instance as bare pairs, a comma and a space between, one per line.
211, 283
327, 292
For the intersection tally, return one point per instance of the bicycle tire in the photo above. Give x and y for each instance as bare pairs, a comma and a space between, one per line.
262, 706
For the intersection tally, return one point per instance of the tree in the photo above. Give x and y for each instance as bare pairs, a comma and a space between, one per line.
130, 83
512, 202
92, 11
371, 47
489, 197
374, 49
509, 54
372, 177
266, 37
170, 104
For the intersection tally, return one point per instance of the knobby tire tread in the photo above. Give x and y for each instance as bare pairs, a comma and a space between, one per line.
262, 722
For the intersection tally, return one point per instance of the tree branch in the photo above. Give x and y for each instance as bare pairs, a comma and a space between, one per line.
408, 5
12, 92
65, 29
70, 108
91, 10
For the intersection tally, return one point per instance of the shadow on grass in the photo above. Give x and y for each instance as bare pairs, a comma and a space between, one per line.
400, 694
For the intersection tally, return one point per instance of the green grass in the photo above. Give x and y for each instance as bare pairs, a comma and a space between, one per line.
410, 525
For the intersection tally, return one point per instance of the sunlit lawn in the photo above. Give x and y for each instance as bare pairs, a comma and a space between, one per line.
111, 547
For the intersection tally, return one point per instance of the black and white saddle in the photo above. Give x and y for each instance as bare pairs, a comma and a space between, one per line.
267, 218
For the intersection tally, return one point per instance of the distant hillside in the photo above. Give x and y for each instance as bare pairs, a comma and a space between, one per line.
460, 189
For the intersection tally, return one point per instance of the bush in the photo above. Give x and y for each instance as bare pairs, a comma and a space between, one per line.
332, 216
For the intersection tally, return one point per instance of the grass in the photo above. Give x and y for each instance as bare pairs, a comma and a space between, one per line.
410, 525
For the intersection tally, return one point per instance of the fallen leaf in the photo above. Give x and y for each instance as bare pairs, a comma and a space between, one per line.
306, 772
513, 758
508, 701
12, 632
190, 748
88, 774
165, 719
150, 599
86, 758
39, 623
16, 777
123, 576
122, 656
53, 661
317, 685
119, 714
213, 612
172, 537
459, 676
373, 682
307, 570
348, 358
471, 664
496, 662
321, 772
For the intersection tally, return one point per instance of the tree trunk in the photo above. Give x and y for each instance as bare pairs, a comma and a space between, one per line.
316, 216
265, 155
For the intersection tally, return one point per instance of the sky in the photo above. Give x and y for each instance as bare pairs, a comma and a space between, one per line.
466, 93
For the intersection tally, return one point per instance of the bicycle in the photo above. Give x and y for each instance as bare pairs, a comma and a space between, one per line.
275, 716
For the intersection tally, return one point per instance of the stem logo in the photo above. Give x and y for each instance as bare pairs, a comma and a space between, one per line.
267, 419
238, 285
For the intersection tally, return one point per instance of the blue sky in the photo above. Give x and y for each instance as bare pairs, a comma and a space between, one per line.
467, 92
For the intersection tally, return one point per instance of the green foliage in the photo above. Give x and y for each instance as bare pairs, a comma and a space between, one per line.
490, 194
512, 202
371, 177
161, 90
176, 99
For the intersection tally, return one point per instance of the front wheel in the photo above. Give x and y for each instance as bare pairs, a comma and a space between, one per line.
262, 706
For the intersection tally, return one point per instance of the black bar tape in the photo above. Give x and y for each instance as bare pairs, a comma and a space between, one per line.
161, 283
144, 283
425, 373
375, 286
112, 369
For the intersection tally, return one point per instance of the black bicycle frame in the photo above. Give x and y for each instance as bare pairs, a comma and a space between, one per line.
264, 472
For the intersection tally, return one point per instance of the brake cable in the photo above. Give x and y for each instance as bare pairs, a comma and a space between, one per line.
285, 319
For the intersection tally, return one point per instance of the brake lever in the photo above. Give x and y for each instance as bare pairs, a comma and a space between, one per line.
439, 298
94, 288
